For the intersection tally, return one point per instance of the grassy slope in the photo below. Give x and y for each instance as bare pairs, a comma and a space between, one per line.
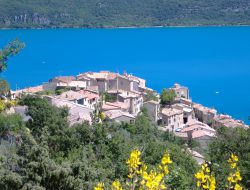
110, 13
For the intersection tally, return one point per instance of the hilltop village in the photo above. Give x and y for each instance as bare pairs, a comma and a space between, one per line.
120, 97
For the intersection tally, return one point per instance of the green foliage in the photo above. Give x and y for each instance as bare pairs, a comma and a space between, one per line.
167, 97
11, 123
108, 97
113, 13
4, 87
52, 155
231, 140
10, 50
150, 95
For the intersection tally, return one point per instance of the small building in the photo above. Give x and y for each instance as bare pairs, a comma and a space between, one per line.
180, 91
81, 97
119, 116
153, 108
204, 114
172, 118
77, 113
106, 80
115, 106
91, 99
200, 132
227, 121
188, 113
134, 100
64, 82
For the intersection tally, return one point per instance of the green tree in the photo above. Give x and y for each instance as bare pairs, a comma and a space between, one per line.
167, 97
10, 50
150, 95
4, 87
230, 140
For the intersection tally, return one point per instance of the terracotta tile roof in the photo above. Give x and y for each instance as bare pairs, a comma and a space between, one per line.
201, 133
228, 121
71, 95
115, 105
204, 109
65, 79
197, 127
112, 114
88, 94
171, 111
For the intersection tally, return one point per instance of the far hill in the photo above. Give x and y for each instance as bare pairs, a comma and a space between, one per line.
121, 13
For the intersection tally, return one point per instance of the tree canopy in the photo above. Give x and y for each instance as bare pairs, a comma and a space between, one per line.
228, 141
48, 154
10, 50
167, 97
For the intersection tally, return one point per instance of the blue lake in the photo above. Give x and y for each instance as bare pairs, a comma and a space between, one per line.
206, 59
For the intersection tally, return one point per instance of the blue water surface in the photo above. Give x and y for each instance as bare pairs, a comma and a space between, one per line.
206, 59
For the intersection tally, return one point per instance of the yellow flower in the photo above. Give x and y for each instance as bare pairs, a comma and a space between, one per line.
237, 187
234, 158
134, 160
233, 165
212, 183
166, 159
116, 185
100, 186
234, 176
238, 176
142, 169
204, 178
153, 180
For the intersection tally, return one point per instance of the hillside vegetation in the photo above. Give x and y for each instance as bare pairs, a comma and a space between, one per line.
114, 13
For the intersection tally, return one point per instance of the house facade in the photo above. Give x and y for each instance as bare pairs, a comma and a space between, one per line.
153, 108
172, 118
204, 114
180, 91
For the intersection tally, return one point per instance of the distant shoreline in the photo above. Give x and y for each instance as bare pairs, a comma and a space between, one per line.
124, 27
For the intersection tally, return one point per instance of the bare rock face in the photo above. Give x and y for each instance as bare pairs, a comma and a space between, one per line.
23, 19
34, 20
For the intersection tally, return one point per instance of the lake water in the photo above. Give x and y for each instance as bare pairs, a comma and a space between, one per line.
206, 59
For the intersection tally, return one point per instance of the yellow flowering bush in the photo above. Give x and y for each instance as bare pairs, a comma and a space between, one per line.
116, 185
141, 179
100, 186
234, 176
205, 178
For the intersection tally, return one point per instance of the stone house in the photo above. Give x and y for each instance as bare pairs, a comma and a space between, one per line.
200, 132
227, 121
81, 97
77, 113
204, 114
64, 82
119, 116
172, 118
188, 113
134, 100
153, 108
180, 91
115, 106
